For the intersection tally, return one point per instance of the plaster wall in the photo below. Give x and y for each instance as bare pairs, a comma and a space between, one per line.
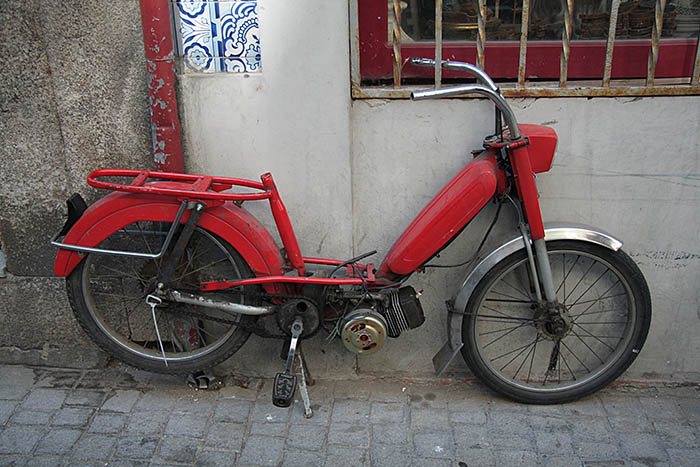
353, 175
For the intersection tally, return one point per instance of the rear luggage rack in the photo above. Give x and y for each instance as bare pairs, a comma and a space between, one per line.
189, 186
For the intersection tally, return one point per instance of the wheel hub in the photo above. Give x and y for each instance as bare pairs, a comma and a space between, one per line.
555, 323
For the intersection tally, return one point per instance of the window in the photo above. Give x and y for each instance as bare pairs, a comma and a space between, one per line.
559, 49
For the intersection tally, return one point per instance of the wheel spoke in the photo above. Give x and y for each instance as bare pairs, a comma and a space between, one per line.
588, 346
504, 335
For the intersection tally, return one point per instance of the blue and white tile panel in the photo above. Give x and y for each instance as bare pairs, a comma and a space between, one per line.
218, 36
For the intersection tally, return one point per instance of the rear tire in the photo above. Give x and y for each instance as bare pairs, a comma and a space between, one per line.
518, 353
107, 294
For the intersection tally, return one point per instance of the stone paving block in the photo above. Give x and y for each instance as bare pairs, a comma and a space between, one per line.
388, 391
307, 438
210, 458
13, 461
225, 435
58, 441
196, 402
426, 399
321, 413
146, 422
296, 458
472, 417
516, 457
657, 408
29, 417
348, 434
350, 411
597, 429
387, 412
633, 423
261, 450
423, 419
178, 449
232, 411
6, 409
383, 456
560, 461
94, 447
642, 445
136, 447
321, 391
677, 435
56, 378
347, 457
590, 451
45, 461
428, 462
554, 443
13, 392
268, 429
107, 423
357, 389
20, 439
471, 437
128, 463
155, 400
622, 406
440, 444
550, 423
44, 399
121, 400
186, 425
690, 409
519, 442
684, 457
474, 456
72, 416
504, 422
264, 412
85, 398
390, 433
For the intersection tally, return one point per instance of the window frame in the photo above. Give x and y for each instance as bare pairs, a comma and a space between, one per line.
676, 71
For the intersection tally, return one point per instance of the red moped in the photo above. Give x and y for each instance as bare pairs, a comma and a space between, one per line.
170, 273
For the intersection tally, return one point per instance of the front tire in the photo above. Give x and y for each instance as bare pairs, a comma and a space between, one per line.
518, 352
107, 294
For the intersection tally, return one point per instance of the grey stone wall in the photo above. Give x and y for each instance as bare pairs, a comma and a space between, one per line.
73, 98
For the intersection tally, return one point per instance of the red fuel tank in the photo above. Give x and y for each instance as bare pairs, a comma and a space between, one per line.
445, 216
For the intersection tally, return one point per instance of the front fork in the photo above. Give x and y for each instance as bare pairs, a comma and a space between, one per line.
527, 191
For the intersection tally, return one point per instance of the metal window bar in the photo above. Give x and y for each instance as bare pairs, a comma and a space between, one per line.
521, 89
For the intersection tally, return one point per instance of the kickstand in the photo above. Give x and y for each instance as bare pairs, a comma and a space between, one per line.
304, 381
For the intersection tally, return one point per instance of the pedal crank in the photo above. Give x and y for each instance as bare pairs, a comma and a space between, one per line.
285, 383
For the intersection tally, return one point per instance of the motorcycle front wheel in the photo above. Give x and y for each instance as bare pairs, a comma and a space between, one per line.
526, 354
108, 296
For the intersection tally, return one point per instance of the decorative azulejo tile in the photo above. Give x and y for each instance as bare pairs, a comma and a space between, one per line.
219, 36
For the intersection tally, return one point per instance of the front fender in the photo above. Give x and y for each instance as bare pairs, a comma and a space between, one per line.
233, 224
459, 302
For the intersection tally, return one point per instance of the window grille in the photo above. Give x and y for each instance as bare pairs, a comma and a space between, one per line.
591, 48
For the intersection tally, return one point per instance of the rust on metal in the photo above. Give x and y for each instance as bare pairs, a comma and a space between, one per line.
612, 27
481, 36
438, 44
355, 77
566, 43
655, 36
522, 63
396, 41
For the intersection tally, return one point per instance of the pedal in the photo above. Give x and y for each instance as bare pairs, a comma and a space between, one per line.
286, 382
283, 389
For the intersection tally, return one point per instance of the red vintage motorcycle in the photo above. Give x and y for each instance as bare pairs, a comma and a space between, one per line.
169, 273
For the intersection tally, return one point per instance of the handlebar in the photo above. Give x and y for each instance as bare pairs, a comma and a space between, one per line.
488, 89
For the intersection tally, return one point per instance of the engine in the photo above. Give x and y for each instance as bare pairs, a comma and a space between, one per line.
365, 329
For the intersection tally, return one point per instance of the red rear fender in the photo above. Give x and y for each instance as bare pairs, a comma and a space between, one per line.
117, 210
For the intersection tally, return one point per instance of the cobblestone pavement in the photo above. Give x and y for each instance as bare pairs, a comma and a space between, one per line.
120, 416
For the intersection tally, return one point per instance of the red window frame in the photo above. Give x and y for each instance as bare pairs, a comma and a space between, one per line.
587, 59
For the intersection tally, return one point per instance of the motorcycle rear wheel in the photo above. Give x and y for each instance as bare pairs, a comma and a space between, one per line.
107, 294
522, 354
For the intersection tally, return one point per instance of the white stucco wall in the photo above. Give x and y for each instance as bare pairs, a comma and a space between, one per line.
354, 173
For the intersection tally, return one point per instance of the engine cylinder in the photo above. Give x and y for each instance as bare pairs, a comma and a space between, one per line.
364, 331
